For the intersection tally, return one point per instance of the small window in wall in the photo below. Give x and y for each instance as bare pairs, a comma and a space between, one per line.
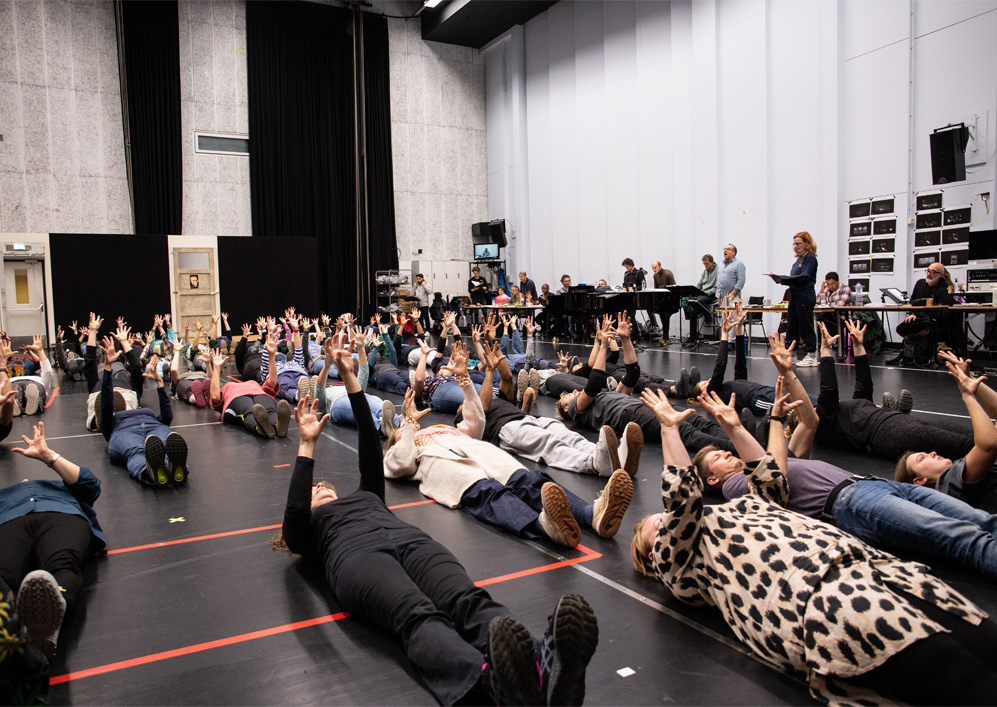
21, 287
221, 144
194, 261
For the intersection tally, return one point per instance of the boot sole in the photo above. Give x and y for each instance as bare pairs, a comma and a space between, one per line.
40, 610
176, 450
576, 635
558, 510
388, 419
197, 388
617, 496
529, 400
512, 650
635, 444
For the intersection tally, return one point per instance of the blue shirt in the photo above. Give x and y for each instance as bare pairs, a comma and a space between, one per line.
528, 288
806, 266
731, 277
76, 499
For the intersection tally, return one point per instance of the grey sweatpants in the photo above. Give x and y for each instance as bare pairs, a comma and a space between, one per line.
548, 440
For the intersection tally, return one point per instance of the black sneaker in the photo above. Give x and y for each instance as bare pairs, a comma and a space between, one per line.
176, 450
749, 422
283, 417
694, 377
263, 425
906, 402
762, 431
890, 402
155, 461
566, 649
512, 668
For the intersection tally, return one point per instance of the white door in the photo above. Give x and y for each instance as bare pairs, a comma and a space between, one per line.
194, 276
24, 299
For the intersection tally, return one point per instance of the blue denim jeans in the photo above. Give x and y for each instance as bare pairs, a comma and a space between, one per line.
909, 517
516, 340
127, 446
341, 411
448, 397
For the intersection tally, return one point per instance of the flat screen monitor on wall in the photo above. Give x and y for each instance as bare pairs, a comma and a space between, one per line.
486, 251
982, 247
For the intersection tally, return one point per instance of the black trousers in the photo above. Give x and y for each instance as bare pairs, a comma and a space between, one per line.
243, 409
411, 585
58, 543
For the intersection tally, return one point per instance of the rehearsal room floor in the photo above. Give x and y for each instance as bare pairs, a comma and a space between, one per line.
192, 606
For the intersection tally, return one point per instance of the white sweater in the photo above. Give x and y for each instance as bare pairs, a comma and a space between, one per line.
447, 461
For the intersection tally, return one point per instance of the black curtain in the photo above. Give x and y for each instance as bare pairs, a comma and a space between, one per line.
306, 126
381, 252
151, 37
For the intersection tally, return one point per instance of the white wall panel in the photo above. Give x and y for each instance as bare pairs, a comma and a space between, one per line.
869, 26
933, 16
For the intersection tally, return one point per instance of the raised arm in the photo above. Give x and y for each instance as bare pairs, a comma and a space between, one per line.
623, 329
401, 461
803, 438
296, 529
981, 458
597, 376
38, 449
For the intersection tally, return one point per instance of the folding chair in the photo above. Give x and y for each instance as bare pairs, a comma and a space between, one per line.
755, 319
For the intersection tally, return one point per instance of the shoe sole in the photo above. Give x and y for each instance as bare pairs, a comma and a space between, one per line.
304, 389
512, 653
197, 388
906, 402
312, 386
522, 383
155, 461
535, 380
635, 444
283, 417
620, 491
529, 400
889, 402
40, 609
682, 384
694, 377
119, 405
576, 635
31, 400
176, 450
263, 423
558, 510
613, 444
388, 419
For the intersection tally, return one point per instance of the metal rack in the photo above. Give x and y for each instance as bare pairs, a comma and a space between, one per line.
389, 282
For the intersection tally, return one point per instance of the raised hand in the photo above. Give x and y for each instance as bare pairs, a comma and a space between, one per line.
153, 372
73, 327
657, 402
857, 332
781, 356
214, 318
968, 385
458, 359
36, 344
326, 319
95, 322
246, 331
37, 447
110, 352
781, 406
623, 325
270, 345
218, 360
828, 340
198, 324
476, 332
493, 356
726, 414
949, 357
410, 411
123, 334
529, 326
728, 322
121, 322
306, 417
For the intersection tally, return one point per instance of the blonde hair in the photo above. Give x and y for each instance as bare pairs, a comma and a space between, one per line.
808, 240
277, 541
640, 550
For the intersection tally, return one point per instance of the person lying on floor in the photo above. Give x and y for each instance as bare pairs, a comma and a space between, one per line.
861, 425
30, 392
292, 376
455, 468
595, 406
50, 530
545, 439
127, 378
138, 439
248, 404
334, 399
880, 512
464, 646
68, 356
858, 624
190, 380
751, 395
972, 477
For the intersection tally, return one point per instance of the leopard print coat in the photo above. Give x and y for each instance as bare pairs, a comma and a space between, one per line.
803, 595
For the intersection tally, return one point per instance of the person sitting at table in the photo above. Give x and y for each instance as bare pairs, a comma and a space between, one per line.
832, 294
916, 327
708, 284
574, 323
501, 297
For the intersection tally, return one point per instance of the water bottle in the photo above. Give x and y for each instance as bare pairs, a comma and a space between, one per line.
858, 294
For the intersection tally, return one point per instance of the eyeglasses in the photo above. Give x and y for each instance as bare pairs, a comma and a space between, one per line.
935, 272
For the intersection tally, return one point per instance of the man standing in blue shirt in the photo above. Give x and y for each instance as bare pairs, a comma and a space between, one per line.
527, 287
730, 279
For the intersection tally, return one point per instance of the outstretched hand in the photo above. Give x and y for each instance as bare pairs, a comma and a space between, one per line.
968, 385
110, 352
781, 406
411, 413
657, 402
37, 448
781, 356
306, 417
725, 413
857, 332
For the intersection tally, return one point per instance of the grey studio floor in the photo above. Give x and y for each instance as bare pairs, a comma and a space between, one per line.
193, 606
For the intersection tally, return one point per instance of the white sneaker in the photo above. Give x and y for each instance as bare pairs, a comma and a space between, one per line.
808, 361
41, 608
606, 455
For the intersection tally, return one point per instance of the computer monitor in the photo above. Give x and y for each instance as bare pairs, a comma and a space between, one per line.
486, 251
983, 248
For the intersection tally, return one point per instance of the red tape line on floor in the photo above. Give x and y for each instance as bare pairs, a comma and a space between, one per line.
221, 642
196, 648
55, 392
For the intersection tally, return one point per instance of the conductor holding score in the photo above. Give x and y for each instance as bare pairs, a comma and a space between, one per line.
802, 298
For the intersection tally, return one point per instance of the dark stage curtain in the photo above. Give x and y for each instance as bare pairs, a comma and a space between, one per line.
306, 169
151, 36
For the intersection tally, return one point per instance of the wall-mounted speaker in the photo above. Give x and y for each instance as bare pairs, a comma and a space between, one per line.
480, 231
948, 154
496, 229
